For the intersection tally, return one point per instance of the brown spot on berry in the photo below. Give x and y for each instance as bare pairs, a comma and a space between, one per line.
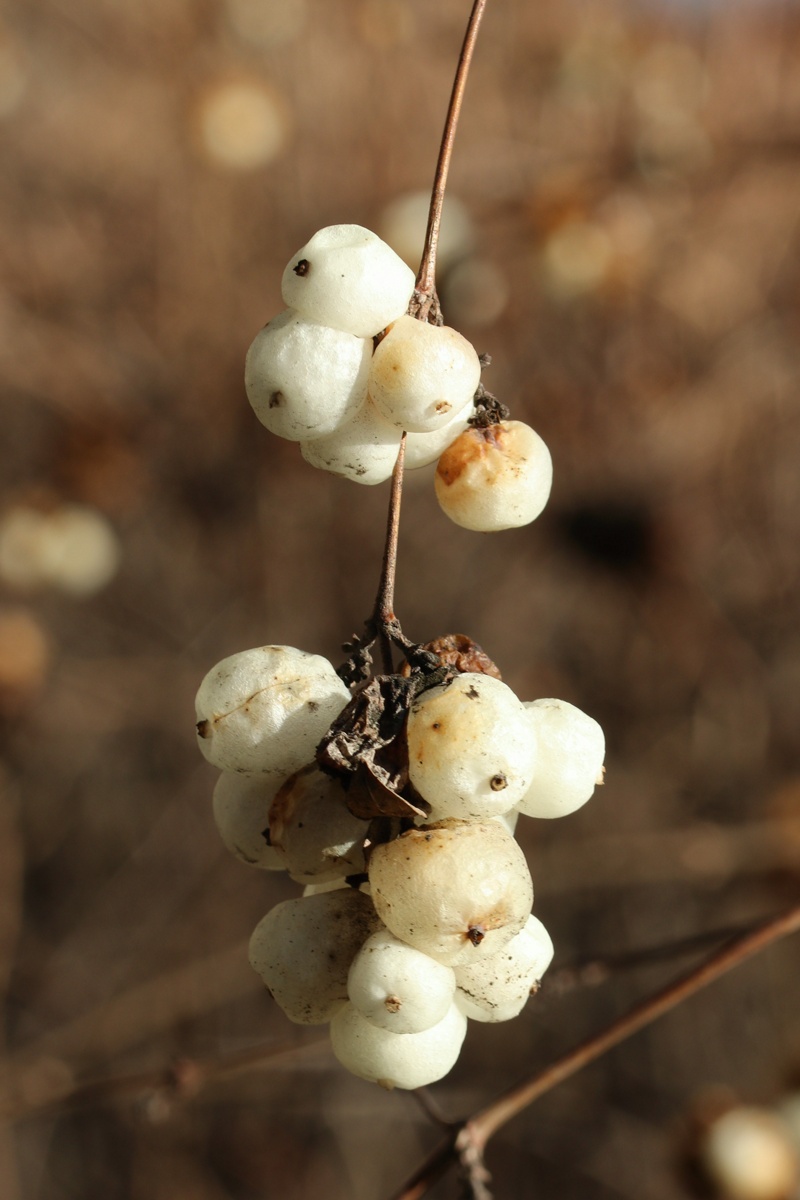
276, 399
203, 729
302, 267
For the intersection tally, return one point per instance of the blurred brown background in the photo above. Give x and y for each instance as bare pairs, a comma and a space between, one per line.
632, 176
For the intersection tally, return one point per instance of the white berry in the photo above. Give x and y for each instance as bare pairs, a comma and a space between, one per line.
457, 891
497, 988
397, 987
471, 748
241, 805
422, 375
346, 277
404, 1060
303, 379
310, 823
265, 710
303, 949
495, 478
570, 763
364, 450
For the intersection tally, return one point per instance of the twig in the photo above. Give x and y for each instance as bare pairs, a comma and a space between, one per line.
467, 1140
424, 305
425, 293
384, 616
164, 1087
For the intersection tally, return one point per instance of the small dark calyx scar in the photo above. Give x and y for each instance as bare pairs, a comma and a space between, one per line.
472, 693
302, 267
202, 729
498, 782
476, 934
276, 399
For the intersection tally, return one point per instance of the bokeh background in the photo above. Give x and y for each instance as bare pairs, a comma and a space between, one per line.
630, 175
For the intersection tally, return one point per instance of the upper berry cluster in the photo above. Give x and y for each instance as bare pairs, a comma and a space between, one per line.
344, 371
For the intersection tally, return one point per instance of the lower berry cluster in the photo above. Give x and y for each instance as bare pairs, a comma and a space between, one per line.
416, 915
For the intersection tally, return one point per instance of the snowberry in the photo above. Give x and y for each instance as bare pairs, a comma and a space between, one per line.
404, 220
497, 988
303, 949
494, 478
397, 987
303, 379
265, 710
347, 278
425, 448
471, 749
422, 374
241, 806
404, 1060
364, 450
456, 891
310, 824
570, 763
749, 1155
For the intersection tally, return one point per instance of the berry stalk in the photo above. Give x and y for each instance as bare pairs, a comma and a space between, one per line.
425, 301
424, 304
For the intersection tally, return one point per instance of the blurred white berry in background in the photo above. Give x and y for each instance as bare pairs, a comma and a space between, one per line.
24, 657
242, 124
267, 25
404, 220
748, 1154
71, 548
475, 292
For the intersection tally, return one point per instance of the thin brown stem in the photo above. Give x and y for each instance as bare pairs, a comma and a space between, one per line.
426, 277
383, 614
472, 1135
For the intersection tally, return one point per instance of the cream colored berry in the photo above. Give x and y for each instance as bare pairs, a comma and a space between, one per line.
456, 891
423, 375
495, 478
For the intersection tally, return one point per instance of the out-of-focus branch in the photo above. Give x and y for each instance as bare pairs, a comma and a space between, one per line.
165, 1087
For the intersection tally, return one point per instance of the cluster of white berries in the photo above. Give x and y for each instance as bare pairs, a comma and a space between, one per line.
344, 371
407, 927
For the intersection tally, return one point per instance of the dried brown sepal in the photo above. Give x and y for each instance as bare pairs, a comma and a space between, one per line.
366, 745
488, 409
375, 793
459, 651
358, 667
372, 719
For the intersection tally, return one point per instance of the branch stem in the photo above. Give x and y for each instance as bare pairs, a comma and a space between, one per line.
383, 614
471, 1136
426, 277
